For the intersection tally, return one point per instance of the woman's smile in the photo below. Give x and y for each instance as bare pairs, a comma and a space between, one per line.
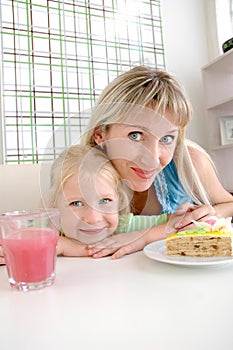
144, 174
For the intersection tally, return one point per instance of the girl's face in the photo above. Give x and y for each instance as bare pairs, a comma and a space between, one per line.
140, 150
91, 214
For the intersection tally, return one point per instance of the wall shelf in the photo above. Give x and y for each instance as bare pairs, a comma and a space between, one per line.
218, 91
222, 148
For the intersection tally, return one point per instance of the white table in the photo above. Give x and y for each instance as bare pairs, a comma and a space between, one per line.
131, 303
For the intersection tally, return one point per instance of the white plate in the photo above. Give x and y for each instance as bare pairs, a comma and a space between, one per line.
157, 251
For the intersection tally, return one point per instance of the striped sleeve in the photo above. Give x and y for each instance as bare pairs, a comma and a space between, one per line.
130, 222
139, 222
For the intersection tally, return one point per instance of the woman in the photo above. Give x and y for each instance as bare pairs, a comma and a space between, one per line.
139, 120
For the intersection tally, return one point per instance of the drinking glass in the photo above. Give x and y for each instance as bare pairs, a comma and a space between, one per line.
29, 240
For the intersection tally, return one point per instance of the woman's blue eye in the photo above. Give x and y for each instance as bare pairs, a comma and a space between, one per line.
105, 201
76, 204
167, 139
135, 135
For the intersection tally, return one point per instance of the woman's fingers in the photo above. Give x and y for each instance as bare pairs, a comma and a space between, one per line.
118, 240
119, 245
133, 247
183, 208
197, 213
102, 253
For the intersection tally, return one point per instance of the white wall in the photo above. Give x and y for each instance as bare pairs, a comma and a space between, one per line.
186, 48
23, 186
19, 187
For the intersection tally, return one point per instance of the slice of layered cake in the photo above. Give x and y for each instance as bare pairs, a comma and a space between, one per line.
213, 237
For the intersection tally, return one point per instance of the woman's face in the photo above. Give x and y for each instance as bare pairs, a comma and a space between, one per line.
88, 211
140, 150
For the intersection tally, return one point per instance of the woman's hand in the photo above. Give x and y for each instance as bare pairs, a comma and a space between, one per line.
119, 245
130, 242
188, 212
127, 243
69, 247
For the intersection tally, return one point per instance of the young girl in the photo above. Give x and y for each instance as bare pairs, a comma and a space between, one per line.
90, 195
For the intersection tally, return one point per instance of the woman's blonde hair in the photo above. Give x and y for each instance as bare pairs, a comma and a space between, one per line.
85, 162
158, 90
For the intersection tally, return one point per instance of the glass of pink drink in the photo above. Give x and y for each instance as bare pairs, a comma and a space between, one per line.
29, 240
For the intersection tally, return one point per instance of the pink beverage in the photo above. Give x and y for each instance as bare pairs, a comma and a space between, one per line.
29, 239
30, 255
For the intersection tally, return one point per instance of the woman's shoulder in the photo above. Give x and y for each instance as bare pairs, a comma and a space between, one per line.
198, 154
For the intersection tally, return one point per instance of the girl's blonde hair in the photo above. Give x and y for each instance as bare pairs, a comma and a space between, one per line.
158, 90
85, 162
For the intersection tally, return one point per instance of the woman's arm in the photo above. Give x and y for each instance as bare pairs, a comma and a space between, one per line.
120, 245
131, 242
221, 200
126, 243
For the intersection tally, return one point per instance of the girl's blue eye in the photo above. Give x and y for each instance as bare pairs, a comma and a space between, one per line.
76, 204
135, 135
105, 201
167, 139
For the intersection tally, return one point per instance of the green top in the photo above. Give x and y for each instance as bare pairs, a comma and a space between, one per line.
130, 222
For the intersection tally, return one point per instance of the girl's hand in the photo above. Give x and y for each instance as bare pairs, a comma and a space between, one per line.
69, 247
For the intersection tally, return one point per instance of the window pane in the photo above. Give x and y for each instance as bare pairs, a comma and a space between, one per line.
58, 56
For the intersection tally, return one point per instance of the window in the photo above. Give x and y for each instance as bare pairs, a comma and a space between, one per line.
57, 56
